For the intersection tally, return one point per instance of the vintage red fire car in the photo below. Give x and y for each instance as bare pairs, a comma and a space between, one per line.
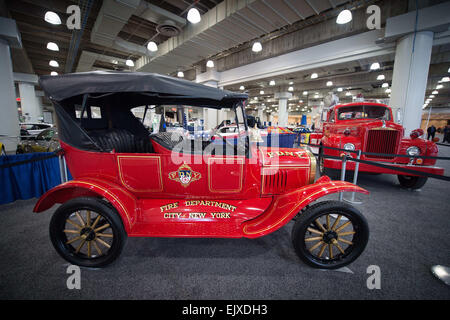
370, 127
129, 183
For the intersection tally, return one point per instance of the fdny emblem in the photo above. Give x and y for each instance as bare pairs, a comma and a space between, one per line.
185, 175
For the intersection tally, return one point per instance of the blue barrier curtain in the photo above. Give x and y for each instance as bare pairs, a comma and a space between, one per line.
27, 180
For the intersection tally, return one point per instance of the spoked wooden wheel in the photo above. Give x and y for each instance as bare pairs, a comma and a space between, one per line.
330, 235
87, 232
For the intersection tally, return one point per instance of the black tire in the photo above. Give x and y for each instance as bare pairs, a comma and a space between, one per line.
114, 235
411, 182
306, 222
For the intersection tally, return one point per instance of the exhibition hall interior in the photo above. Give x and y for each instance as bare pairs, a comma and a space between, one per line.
224, 150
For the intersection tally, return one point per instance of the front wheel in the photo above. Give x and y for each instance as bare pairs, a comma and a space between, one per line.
412, 182
87, 232
330, 235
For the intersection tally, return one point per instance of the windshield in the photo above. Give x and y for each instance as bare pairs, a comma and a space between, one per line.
364, 112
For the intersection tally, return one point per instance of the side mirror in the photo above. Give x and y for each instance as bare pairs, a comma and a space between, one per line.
398, 116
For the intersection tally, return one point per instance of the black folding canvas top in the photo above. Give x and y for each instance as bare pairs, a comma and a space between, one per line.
116, 93
59, 88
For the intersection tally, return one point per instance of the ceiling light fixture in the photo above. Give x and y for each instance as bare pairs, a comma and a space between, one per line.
261, 92
445, 79
210, 64
129, 63
52, 18
241, 88
435, 92
291, 89
385, 85
272, 82
329, 83
193, 16
314, 75
305, 93
54, 63
340, 89
53, 73
152, 46
439, 86
381, 77
180, 74
375, 66
52, 46
388, 90
257, 47
345, 16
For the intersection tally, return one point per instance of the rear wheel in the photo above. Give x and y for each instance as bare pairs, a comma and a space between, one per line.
330, 235
87, 232
412, 182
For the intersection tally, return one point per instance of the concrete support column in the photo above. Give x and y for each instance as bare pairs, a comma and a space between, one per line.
31, 108
409, 81
210, 116
9, 119
260, 113
282, 107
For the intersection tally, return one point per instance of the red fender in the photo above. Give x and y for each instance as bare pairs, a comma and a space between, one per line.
123, 201
284, 207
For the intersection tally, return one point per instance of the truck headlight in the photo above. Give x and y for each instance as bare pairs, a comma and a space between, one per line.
413, 151
349, 147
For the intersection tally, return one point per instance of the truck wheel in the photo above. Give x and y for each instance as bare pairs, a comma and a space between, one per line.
87, 232
330, 235
412, 182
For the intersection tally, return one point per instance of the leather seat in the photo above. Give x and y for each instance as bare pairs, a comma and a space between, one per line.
121, 141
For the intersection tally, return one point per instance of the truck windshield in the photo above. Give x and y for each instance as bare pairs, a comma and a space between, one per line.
364, 112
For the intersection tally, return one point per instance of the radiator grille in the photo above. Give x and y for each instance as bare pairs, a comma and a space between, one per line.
382, 141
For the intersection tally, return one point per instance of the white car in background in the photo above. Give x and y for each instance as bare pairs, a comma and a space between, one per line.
33, 128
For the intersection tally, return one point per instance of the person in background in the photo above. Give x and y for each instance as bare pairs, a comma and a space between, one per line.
446, 134
431, 132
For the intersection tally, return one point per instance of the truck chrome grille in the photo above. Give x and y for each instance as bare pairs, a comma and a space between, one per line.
382, 141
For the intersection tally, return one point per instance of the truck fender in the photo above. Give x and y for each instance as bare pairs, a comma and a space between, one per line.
124, 202
284, 207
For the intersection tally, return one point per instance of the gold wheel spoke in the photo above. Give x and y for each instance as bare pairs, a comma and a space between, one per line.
328, 222
315, 246
313, 239
320, 225
315, 231
343, 226
102, 227
338, 246
89, 249
330, 250
80, 219
71, 231
97, 247
96, 221
336, 222
322, 249
73, 240
76, 225
103, 242
346, 233
88, 218
345, 241
80, 246
107, 235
